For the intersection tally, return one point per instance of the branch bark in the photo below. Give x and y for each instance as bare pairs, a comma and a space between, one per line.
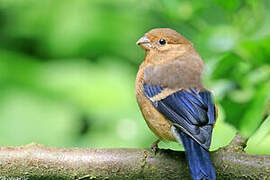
35, 161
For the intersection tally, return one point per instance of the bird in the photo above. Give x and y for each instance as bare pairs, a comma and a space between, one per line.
173, 101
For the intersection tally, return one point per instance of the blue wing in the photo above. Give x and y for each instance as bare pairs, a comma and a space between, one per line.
191, 111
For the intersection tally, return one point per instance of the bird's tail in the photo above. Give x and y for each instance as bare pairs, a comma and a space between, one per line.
200, 165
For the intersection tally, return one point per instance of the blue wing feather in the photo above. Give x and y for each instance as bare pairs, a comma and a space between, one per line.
151, 91
192, 111
206, 97
193, 116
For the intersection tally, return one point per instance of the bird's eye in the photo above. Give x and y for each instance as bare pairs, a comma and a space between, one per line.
162, 41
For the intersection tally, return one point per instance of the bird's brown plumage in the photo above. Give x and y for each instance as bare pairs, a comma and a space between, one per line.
175, 65
155, 120
170, 35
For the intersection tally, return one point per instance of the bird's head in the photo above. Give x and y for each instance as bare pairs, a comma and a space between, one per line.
167, 48
163, 40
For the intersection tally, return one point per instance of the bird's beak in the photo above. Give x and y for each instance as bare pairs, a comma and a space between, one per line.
144, 42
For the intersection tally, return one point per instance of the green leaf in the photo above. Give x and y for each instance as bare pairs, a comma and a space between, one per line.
254, 113
259, 142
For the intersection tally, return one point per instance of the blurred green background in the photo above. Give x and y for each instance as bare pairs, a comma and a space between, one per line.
67, 69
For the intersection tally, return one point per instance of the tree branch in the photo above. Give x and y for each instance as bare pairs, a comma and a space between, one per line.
238, 144
35, 161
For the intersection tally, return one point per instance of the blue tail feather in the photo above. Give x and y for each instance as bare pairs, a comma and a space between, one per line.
198, 158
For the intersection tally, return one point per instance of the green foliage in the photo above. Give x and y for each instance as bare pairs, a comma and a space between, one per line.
67, 68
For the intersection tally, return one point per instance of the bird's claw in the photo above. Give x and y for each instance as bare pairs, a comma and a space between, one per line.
154, 146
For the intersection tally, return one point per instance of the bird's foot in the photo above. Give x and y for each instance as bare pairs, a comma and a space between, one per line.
154, 146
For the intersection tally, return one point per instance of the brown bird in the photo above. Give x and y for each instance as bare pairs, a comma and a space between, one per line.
174, 103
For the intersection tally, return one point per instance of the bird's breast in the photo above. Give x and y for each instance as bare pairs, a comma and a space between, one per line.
154, 119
